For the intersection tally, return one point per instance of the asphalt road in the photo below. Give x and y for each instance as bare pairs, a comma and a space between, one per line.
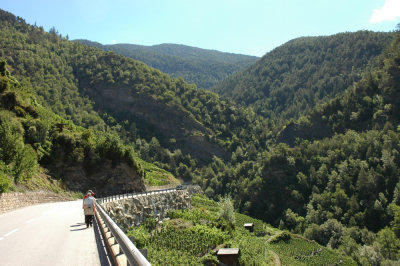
50, 234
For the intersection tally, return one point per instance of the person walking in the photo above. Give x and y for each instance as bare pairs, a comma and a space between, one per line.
89, 208
86, 195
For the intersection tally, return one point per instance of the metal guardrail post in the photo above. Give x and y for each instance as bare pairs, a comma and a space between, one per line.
133, 255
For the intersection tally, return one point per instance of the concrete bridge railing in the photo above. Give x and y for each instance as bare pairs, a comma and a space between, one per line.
190, 188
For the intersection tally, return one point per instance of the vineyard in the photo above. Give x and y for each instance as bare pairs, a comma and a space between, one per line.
293, 250
193, 237
196, 240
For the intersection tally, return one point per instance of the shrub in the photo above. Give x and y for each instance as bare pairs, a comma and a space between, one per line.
150, 223
5, 182
227, 210
140, 235
284, 236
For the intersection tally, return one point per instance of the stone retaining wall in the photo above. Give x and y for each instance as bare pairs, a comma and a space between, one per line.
14, 200
134, 211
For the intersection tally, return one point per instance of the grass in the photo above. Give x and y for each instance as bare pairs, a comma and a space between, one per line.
43, 182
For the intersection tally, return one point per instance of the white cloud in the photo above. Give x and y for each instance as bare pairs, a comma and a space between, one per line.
389, 11
114, 41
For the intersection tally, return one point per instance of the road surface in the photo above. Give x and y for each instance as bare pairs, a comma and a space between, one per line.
50, 234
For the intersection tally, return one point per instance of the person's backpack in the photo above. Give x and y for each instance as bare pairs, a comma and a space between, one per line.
89, 202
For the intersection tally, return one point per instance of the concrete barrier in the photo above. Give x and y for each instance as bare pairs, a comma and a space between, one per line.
14, 200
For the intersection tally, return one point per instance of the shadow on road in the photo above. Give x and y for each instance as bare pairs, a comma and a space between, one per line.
80, 229
101, 246
77, 224
105, 260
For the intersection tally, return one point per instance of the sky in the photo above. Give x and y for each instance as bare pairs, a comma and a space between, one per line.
251, 27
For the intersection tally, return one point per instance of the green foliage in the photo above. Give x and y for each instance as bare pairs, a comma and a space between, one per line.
293, 78
140, 234
20, 158
150, 223
292, 221
191, 243
260, 228
371, 103
283, 236
226, 210
389, 244
252, 249
31, 135
144, 107
161, 256
198, 215
330, 173
5, 181
329, 233
201, 200
296, 251
191, 237
195, 240
156, 176
369, 256
25, 163
340, 171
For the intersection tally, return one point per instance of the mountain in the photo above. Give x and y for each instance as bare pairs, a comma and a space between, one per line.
371, 103
165, 120
205, 68
34, 141
295, 77
338, 181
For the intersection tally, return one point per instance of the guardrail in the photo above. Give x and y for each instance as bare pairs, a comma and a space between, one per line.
131, 195
111, 231
131, 254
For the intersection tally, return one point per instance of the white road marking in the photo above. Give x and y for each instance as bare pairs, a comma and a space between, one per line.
12, 232
1, 238
29, 221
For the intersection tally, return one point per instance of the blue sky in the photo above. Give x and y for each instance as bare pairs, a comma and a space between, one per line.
251, 27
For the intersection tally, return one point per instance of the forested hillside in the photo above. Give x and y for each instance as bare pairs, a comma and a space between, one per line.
339, 182
295, 77
34, 140
205, 68
371, 103
166, 121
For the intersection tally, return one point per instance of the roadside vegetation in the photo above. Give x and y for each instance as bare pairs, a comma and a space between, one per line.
193, 237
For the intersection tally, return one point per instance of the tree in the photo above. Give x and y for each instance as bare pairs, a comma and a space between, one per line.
5, 181
394, 211
389, 243
25, 163
293, 222
227, 211
369, 256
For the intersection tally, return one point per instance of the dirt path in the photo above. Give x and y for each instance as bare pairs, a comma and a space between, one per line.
277, 260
